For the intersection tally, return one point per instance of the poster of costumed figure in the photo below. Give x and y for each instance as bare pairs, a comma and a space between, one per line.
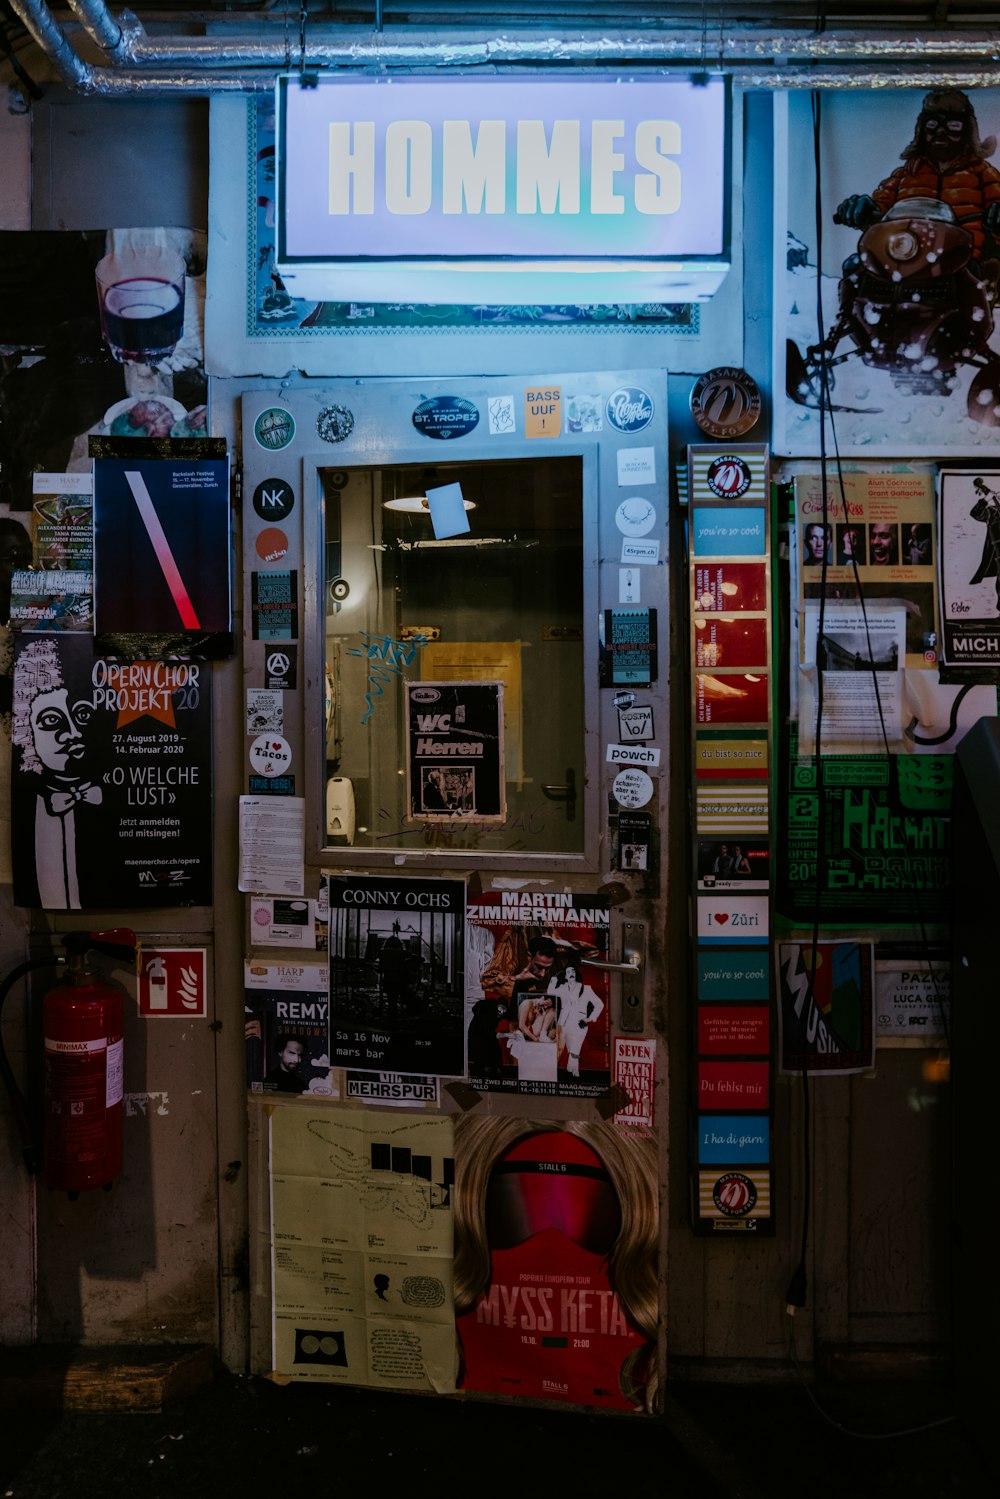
555, 1276
907, 252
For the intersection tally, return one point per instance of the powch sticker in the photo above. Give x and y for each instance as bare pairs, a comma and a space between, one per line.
446, 416
630, 408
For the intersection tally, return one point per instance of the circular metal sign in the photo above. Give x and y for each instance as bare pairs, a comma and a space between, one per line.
725, 402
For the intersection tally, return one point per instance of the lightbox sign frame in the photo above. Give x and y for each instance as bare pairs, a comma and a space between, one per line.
504, 190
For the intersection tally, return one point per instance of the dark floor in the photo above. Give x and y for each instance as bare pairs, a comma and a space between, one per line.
247, 1437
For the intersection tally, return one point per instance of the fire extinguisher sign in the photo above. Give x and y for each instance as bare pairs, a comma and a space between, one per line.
172, 982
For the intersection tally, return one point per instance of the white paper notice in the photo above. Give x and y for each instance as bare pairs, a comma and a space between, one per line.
636, 466
859, 655
272, 844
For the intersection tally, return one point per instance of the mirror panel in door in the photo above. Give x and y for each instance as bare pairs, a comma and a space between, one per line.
499, 604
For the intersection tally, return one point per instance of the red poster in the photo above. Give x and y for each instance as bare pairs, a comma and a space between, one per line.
734, 1030
731, 698
729, 641
733, 1085
728, 586
555, 1261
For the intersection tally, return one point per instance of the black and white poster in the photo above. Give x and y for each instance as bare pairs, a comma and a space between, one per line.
969, 530
455, 761
111, 795
397, 958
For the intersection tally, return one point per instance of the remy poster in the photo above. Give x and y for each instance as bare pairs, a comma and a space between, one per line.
111, 800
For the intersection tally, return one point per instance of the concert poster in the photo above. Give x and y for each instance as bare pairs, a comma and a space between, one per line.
111, 803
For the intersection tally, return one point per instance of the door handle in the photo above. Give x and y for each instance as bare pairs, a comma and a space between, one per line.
631, 965
633, 953
564, 793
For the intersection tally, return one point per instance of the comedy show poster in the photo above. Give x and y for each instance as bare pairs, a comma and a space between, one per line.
537, 1010
555, 1277
111, 797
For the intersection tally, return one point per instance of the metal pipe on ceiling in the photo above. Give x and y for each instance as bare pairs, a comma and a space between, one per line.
681, 47
98, 22
211, 64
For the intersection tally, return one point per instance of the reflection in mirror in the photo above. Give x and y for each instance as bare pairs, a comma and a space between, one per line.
437, 576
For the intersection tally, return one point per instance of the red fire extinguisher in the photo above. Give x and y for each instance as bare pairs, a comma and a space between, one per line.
83, 1024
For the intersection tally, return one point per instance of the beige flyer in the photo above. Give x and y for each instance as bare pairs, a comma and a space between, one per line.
881, 645
361, 1247
878, 540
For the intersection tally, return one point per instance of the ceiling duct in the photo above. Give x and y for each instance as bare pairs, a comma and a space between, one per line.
755, 58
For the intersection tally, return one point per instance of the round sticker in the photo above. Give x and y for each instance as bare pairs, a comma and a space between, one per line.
632, 787
270, 755
635, 516
446, 416
271, 544
274, 499
728, 477
734, 1194
334, 423
725, 402
274, 428
629, 408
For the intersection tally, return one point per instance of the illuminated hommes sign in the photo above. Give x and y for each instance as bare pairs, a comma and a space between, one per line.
582, 189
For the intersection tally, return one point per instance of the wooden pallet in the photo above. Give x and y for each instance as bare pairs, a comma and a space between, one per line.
56, 1377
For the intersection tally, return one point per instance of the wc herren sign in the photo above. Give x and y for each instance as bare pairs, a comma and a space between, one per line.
562, 183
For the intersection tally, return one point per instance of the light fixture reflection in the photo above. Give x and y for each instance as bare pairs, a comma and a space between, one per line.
418, 504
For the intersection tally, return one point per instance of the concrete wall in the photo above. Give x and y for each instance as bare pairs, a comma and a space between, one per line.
142, 1265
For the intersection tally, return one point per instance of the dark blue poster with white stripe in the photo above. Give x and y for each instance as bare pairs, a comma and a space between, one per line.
162, 548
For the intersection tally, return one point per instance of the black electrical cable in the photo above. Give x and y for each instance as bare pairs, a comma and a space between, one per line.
796, 1293
847, 1431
